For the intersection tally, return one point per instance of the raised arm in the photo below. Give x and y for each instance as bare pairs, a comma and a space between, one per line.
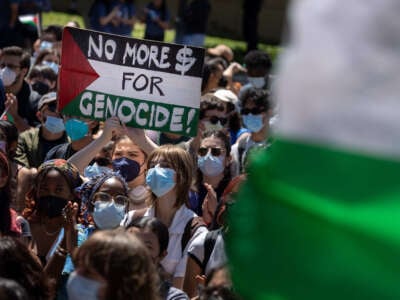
82, 158
139, 137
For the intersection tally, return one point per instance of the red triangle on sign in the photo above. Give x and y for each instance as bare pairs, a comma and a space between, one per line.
76, 72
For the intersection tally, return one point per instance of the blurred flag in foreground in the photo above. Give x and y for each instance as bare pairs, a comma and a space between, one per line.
319, 217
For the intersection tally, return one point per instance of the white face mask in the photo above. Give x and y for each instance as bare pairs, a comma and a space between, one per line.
257, 82
212, 127
80, 287
8, 76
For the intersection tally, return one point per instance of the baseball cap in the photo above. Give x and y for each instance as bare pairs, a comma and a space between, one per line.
47, 98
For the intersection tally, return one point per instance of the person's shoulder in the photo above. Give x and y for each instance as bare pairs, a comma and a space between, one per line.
176, 294
29, 133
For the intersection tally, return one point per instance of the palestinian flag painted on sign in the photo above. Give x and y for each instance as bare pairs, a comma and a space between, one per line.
146, 84
319, 216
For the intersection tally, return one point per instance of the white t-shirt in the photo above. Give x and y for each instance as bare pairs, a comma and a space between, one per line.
175, 261
217, 257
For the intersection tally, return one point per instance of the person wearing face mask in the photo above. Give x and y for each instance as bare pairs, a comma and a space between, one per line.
258, 65
169, 176
21, 100
212, 113
113, 264
80, 132
50, 202
213, 174
127, 158
255, 113
35, 143
42, 79
48, 57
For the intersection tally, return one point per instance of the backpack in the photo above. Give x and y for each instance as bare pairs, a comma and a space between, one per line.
209, 244
191, 227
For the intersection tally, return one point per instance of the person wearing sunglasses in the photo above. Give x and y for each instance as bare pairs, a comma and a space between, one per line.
255, 113
213, 173
212, 113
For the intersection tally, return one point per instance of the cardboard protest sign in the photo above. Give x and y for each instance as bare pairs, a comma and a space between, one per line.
147, 84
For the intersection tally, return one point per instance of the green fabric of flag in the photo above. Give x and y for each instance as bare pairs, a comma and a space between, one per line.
316, 223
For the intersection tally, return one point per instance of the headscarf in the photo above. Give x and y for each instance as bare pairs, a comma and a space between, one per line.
68, 170
87, 190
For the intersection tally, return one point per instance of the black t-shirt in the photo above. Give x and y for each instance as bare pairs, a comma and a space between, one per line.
48, 145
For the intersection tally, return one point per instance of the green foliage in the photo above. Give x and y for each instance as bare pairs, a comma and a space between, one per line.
238, 47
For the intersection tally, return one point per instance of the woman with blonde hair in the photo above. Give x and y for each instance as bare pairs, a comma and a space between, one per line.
113, 264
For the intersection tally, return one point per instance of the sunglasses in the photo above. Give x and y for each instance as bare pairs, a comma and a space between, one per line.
214, 120
105, 197
253, 111
214, 151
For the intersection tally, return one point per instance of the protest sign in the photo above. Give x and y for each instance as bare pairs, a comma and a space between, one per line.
147, 84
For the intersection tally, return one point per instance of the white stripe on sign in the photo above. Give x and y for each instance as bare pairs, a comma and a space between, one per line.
144, 84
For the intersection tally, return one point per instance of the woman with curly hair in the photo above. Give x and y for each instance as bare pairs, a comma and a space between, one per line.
113, 264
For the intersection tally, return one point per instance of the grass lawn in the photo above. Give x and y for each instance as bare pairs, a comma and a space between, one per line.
238, 47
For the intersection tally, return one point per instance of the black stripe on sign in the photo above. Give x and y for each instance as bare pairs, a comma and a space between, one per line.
111, 48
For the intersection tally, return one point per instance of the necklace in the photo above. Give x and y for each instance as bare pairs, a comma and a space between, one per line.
49, 233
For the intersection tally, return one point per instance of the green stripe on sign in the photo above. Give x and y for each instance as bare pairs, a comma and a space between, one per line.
134, 112
316, 223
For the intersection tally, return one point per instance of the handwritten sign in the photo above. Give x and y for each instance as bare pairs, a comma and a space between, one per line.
147, 84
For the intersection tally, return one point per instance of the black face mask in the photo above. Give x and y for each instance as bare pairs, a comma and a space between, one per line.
51, 206
40, 87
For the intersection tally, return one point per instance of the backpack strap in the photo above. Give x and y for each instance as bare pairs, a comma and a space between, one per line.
191, 226
209, 244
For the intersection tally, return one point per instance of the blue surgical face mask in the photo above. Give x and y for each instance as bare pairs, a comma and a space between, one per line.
54, 125
108, 215
94, 170
76, 129
254, 123
128, 168
160, 180
211, 165
52, 65
80, 287
257, 82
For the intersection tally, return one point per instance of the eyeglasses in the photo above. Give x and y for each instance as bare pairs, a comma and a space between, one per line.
214, 120
105, 197
10, 66
253, 111
214, 151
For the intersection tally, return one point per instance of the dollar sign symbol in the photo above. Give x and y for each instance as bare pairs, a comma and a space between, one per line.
185, 60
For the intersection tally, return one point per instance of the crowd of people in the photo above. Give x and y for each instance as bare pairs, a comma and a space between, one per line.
97, 210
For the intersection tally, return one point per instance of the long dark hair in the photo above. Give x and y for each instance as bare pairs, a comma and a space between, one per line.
219, 134
17, 263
